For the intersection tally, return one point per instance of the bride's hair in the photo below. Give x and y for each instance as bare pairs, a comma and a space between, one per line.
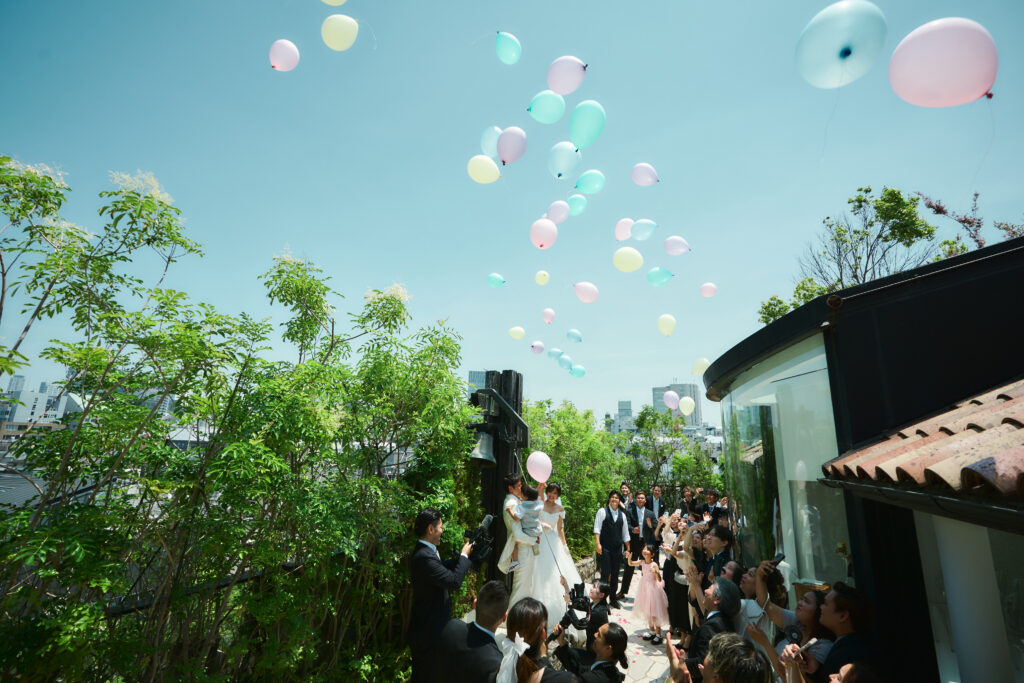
554, 487
527, 618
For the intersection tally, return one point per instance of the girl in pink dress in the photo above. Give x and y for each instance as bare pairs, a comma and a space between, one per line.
651, 602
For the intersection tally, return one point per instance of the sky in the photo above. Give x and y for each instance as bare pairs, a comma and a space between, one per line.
357, 160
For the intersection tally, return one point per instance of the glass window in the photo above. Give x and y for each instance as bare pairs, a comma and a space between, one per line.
1008, 558
779, 429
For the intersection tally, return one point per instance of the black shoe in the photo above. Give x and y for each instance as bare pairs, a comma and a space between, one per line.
615, 604
621, 595
648, 636
657, 640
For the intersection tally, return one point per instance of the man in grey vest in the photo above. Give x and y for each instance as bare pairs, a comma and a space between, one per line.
611, 538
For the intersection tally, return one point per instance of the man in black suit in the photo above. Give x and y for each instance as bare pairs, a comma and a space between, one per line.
432, 579
641, 532
657, 504
848, 613
723, 600
468, 652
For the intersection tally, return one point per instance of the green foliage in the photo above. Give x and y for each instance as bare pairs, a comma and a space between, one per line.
272, 545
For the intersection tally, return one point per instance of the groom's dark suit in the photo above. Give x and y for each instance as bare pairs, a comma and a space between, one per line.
467, 654
431, 606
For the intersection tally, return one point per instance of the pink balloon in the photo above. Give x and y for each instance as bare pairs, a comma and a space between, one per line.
676, 246
623, 229
547, 315
566, 74
539, 465
537, 347
586, 291
511, 144
671, 399
708, 289
543, 233
284, 56
944, 63
558, 211
644, 175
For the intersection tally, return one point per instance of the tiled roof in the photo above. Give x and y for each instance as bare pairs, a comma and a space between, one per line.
977, 447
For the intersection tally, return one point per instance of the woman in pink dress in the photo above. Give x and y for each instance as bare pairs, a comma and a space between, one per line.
651, 603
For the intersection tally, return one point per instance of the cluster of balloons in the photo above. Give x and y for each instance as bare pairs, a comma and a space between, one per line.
685, 405
339, 32
943, 63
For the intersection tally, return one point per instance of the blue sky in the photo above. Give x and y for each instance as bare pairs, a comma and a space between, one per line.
357, 159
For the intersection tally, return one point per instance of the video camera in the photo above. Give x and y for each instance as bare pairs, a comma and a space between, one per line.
481, 540
579, 601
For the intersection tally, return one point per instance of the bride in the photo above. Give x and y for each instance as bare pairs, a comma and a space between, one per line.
542, 578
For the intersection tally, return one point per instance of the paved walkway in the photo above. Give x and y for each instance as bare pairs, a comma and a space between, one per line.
646, 662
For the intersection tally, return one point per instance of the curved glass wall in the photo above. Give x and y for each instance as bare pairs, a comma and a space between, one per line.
779, 429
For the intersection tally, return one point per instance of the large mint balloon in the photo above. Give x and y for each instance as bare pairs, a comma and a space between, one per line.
564, 361
591, 182
489, 141
586, 123
574, 335
643, 229
659, 277
577, 203
554, 353
547, 107
508, 48
577, 371
564, 159
840, 43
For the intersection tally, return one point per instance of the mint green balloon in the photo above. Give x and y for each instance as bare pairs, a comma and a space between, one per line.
586, 123
508, 48
591, 182
577, 203
577, 371
659, 276
495, 280
547, 107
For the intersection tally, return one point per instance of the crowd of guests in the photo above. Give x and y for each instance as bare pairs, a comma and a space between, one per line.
719, 621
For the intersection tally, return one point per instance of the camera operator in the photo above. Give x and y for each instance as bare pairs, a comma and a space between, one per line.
432, 579
598, 594
609, 647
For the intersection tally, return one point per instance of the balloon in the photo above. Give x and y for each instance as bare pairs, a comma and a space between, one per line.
554, 353
537, 347
586, 123
547, 315
659, 276
840, 43
482, 169
564, 362
508, 48
644, 175
700, 365
586, 292
543, 233
643, 229
335, 3
495, 280
671, 399
686, 405
708, 289
577, 371
564, 159
489, 141
542, 277
945, 63
339, 32
516, 332
627, 259
566, 74
539, 465
676, 246
666, 323
511, 144
623, 229
577, 203
546, 107
591, 182
574, 335
284, 56
558, 211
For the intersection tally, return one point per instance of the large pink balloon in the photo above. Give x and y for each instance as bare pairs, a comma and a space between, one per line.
566, 74
537, 347
543, 233
623, 229
944, 63
644, 175
558, 211
284, 56
586, 291
676, 246
547, 315
539, 465
671, 399
511, 144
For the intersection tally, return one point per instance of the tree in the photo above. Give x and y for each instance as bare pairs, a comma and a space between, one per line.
971, 224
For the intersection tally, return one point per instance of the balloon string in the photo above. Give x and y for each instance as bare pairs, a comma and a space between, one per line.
372, 33
489, 33
991, 140
828, 123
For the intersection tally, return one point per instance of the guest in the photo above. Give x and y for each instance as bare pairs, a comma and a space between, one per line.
625, 497
525, 660
641, 522
599, 592
730, 659
468, 652
718, 542
848, 613
723, 600
671, 537
656, 504
689, 504
858, 672
752, 611
610, 535
608, 648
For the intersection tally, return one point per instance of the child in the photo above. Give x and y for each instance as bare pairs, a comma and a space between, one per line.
527, 513
651, 602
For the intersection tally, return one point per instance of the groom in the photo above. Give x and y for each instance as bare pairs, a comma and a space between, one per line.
515, 535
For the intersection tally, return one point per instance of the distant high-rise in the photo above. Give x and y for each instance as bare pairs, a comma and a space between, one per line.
625, 409
17, 383
658, 401
623, 421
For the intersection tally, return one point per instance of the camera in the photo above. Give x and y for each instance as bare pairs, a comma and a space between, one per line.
579, 601
482, 541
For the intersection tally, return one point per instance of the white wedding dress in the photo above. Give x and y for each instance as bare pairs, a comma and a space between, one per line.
542, 578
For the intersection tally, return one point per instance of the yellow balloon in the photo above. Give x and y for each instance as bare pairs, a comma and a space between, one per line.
686, 405
666, 324
482, 169
628, 259
700, 365
339, 31
542, 277
516, 332
334, 3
